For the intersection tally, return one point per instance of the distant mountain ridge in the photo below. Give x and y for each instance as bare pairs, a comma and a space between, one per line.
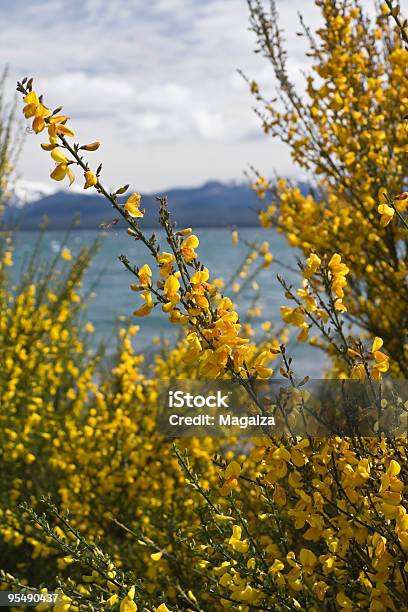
214, 204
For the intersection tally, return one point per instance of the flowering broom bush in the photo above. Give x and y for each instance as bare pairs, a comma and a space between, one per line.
293, 523
350, 133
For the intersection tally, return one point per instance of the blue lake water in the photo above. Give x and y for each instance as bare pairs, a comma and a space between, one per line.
114, 300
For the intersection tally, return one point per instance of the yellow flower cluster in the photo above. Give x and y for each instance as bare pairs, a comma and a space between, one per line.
337, 277
361, 368
213, 327
58, 131
348, 131
291, 523
319, 300
306, 520
388, 208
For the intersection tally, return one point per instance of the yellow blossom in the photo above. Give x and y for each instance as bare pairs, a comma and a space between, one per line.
187, 247
147, 306
235, 540
132, 205
66, 254
90, 179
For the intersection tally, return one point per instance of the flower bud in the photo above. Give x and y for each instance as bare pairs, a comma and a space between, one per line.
92, 146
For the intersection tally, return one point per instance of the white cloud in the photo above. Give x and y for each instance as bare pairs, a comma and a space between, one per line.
155, 81
168, 96
89, 94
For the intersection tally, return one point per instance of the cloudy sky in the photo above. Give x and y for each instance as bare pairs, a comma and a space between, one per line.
155, 81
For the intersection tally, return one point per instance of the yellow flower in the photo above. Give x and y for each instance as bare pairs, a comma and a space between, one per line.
171, 286
394, 468
308, 560
304, 333
144, 275
187, 247
344, 601
92, 146
339, 306
349, 158
228, 485
66, 254
38, 124
200, 277
387, 214
60, 171
295, 316
235, 540
233, 469
30, 99
184, 232
268, 259
221, 518
90, 179
313, 262
358, 372
377, 344
58, 156
127, 605
57, 127
279, 496
320, 588
165, 260
63, 603
34, 108
147, 306
8, 258
132, 205
259, 364
382, 361
277, 566
156, 556
48, 146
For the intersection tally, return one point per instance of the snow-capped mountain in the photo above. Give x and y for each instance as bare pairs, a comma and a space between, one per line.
213, 204
31, 191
